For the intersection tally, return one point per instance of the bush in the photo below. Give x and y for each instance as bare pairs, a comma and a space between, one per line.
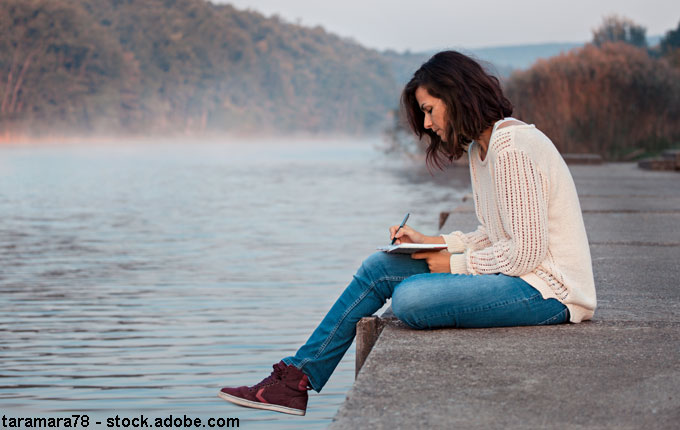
613, 100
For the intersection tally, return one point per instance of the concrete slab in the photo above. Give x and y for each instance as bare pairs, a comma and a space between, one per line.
638, 204
637, 283
624, 179
597, 375
619, 371
637, 228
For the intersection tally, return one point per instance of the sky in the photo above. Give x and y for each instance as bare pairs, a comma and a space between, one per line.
424, 25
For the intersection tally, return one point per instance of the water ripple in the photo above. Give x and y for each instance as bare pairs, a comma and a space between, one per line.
141, 279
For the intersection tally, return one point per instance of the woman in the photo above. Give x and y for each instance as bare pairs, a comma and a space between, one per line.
528, 262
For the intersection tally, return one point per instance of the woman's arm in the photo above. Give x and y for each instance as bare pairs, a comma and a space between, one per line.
520, 193
459, 241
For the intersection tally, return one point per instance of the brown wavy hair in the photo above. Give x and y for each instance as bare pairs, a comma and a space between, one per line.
474, 102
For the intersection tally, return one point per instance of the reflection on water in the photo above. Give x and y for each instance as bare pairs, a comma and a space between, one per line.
139, 279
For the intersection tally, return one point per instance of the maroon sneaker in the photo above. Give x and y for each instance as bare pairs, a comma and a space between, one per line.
285, 390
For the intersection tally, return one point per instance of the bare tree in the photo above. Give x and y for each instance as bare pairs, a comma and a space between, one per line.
620, 29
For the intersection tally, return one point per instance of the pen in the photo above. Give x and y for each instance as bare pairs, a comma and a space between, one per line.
403, 223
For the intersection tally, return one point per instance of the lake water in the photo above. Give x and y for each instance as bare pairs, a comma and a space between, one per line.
138, 278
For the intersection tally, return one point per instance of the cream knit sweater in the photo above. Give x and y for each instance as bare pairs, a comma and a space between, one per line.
530, 220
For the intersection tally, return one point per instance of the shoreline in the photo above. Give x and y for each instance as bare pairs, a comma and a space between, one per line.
8, 138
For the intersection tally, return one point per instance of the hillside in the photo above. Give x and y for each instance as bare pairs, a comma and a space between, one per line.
189, 66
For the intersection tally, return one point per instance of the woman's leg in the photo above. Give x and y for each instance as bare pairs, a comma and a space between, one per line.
447, 300
370, 288
419, 298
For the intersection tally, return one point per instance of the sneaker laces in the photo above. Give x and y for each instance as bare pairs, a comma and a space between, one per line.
276, 375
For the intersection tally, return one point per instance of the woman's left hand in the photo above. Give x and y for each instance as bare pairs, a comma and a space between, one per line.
437, 261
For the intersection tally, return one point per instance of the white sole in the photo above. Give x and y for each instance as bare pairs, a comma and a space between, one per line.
257, 405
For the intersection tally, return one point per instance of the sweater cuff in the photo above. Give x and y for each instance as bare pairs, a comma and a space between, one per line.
453, 243
459, 264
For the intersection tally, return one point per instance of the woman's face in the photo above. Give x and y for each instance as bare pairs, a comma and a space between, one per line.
434, 110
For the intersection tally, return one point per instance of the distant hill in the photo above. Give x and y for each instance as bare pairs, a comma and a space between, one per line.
403, 65
501, 60
508, 58
654, 40
187, 66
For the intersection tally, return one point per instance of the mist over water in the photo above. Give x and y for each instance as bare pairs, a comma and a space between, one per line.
140, 279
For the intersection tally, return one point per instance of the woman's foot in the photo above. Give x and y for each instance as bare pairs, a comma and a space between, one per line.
285, 390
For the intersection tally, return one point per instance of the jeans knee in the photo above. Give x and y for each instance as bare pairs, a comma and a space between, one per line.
374, 267
405, 306
377, 260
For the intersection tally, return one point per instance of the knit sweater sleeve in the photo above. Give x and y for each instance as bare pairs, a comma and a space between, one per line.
522, 204
459, 241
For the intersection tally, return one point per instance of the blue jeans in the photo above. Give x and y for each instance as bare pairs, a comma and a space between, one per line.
422, 300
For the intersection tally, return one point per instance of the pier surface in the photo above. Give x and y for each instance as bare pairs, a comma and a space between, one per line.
619, 371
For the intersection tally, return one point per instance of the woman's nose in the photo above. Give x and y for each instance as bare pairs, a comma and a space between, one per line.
428, 122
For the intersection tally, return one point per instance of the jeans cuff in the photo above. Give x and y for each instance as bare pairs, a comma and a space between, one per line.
290, 361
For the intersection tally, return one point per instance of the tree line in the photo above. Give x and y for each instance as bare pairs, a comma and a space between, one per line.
180, 66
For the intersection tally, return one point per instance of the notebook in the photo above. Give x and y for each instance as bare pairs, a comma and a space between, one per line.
410, 248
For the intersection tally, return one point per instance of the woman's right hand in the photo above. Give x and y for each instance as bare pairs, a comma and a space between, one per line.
409, 235
406, 235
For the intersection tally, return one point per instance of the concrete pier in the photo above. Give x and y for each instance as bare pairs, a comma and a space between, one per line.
619, 371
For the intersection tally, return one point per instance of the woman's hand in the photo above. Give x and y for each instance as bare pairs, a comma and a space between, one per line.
437, 261
409, 235
406, 235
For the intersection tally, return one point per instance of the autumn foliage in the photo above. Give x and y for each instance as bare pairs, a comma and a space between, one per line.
58, 67
615, 100
180, 66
